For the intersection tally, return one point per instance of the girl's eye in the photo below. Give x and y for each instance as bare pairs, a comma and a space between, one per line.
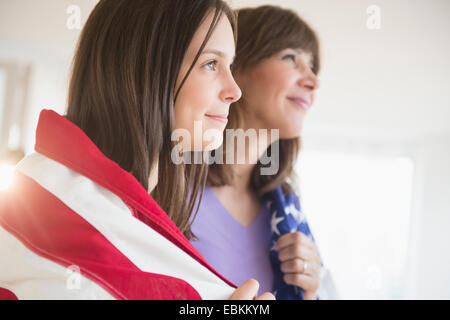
212, 65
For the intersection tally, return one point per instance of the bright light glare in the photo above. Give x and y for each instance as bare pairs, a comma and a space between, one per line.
6, 176
358, 206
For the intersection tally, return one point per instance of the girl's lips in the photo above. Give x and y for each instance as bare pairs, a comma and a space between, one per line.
300, 102
218, 117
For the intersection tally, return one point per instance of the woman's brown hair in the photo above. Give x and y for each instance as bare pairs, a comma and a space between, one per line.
263, 32
122, 90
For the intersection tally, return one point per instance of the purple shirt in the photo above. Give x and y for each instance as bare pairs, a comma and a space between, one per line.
237, 252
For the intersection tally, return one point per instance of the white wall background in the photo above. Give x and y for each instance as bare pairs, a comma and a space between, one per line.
383, 89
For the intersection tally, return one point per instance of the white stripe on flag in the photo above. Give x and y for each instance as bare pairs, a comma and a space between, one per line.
32, 277
146, 248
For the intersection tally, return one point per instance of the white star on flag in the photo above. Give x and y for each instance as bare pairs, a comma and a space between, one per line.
297, 214
287, 209
273, 248
274, 221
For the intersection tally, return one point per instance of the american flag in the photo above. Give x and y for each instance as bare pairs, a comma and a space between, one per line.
74, 225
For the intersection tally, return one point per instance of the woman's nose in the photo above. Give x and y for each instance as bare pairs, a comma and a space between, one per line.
309, 79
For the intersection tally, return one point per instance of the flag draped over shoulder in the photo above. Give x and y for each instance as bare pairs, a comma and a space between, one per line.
74, 225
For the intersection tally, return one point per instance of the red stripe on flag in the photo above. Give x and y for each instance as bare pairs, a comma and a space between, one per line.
53, 135
7, 295
52, 230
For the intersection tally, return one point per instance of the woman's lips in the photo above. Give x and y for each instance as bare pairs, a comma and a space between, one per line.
218, 117
300, 102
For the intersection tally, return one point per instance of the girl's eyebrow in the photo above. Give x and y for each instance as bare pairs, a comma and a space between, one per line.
216, 52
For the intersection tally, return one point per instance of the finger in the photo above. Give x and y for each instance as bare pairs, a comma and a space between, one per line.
298, 266
292, 238
246, 291
266, 296
296, 251
306, 282
292, 266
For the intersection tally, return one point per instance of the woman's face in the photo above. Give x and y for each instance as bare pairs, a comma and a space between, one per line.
204, 100
279, 91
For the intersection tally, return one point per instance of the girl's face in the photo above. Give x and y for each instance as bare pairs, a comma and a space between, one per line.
279, 91
204, 100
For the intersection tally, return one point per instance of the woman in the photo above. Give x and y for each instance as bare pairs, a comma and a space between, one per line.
245, 212
78, 222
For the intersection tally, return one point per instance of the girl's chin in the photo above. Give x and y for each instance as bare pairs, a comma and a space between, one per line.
212, 145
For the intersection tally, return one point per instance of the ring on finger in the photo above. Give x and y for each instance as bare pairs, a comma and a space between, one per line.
305, 266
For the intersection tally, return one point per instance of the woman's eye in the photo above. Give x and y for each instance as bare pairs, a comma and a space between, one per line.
290, 56
212, 65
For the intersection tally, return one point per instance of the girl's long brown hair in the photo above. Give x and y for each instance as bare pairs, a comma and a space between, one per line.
122, 90
263, 32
